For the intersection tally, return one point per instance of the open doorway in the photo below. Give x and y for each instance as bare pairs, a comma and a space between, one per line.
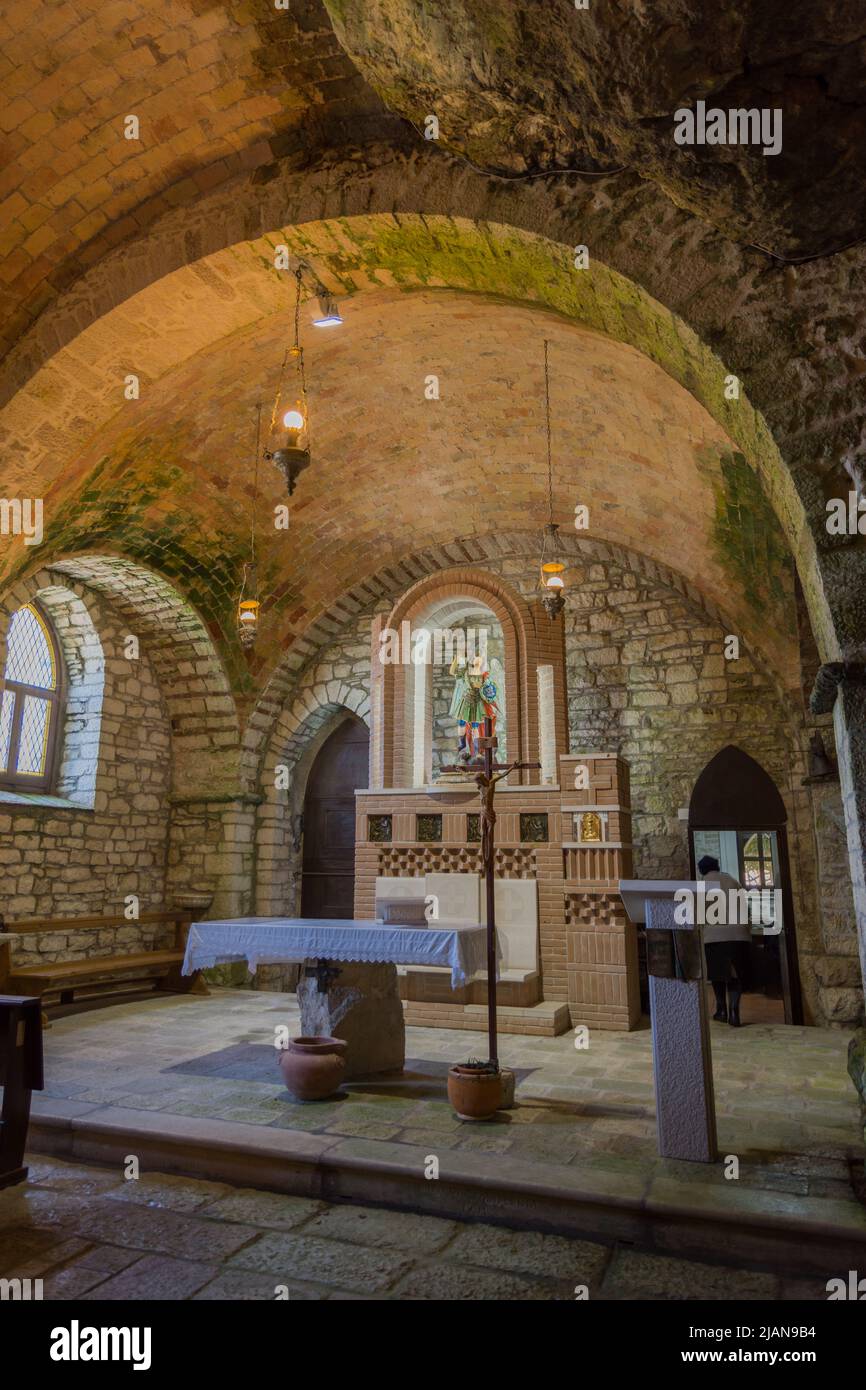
342, 764
737, 815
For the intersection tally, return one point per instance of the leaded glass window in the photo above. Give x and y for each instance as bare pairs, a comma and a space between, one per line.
30, 701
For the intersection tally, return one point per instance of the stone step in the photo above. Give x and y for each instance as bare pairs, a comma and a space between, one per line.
548, 1019
815, 1236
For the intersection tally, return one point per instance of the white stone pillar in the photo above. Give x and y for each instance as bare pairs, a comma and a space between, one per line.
546, 725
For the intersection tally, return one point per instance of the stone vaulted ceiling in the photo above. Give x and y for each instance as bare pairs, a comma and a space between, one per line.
168, 479
155, 256
218, 88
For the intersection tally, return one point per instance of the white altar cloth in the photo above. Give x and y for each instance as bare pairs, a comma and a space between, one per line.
286, 940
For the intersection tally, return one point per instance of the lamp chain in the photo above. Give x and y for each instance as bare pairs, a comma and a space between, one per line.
255, 483
547, 420
295, 350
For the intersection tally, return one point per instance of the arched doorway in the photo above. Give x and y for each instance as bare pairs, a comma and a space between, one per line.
737, 815
342, 764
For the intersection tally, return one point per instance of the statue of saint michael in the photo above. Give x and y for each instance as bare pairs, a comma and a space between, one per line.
473, 701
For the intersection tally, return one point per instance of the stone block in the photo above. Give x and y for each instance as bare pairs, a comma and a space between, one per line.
838, 972
841, 1006
362, 1005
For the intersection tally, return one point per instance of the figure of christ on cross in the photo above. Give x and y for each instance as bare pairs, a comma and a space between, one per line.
486, 779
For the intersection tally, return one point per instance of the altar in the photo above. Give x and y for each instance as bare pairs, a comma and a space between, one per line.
348, 987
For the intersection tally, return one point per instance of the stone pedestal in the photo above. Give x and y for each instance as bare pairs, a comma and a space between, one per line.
682, 1067
360, 1003
682, 1061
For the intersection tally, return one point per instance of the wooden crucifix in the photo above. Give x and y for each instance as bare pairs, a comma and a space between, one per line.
486, 777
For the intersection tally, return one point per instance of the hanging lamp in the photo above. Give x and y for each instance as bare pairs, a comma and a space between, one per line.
248, 599
550, 566
289, 417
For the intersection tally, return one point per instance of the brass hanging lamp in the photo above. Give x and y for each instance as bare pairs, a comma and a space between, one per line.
248, 599
289, 417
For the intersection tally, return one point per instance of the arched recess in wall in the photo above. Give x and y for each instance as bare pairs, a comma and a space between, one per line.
66, 608
303, 726
733, 795
190, 673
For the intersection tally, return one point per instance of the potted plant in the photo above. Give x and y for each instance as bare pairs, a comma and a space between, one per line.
475, 1089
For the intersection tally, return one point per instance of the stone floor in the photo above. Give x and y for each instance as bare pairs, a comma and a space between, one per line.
786, 1106
89, 1233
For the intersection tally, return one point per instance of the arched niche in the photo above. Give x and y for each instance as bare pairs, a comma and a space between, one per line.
455, 627
527, 644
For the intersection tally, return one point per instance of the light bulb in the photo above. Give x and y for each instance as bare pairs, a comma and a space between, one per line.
293, 420
554, 581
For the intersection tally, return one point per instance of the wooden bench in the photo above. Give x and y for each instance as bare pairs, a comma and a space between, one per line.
66, 981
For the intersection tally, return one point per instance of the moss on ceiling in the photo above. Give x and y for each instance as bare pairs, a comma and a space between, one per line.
748, 540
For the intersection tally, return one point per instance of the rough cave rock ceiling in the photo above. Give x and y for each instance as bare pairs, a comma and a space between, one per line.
532, 87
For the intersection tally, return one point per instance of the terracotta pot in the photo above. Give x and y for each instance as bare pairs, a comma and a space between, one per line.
474, 1094
313, 1067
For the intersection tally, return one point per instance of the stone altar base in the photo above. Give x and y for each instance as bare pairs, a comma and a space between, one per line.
360, 1004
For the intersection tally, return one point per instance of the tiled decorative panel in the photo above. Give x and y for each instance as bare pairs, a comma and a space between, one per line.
594, 910
533, 828
413, 861
379, 829
429, 828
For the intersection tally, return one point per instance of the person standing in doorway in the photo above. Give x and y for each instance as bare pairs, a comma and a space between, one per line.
727, 946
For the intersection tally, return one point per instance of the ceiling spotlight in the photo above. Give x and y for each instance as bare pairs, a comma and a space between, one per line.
329, 312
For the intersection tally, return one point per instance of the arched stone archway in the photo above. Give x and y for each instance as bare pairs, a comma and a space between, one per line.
190, 672
734, 792
831, 576
378, 591
300, 730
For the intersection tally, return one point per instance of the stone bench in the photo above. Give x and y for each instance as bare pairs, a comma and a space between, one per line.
91, 977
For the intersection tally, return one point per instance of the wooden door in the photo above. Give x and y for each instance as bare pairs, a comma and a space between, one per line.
342, 764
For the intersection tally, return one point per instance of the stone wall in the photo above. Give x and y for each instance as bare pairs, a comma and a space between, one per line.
60, 858
648, 680
840, 988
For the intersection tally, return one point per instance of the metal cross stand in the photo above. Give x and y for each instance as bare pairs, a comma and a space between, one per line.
486, 777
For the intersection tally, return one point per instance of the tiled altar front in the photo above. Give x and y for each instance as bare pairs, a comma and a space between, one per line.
585, 949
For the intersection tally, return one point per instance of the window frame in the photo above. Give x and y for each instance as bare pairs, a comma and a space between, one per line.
762, 858
47, 779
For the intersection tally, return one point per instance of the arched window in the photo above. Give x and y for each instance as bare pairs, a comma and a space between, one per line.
30, 703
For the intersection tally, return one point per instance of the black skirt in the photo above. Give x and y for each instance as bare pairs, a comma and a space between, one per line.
729, 960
